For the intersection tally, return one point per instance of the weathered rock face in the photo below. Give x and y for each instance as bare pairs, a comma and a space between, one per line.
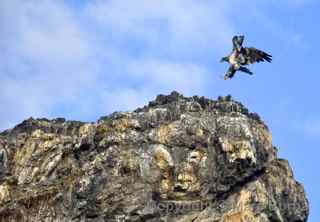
177, 159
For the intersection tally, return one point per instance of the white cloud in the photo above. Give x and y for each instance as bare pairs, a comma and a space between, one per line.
55, 56
124, 99
173, 23
188, 77
45, 59
152, 76
110, 55
44, 32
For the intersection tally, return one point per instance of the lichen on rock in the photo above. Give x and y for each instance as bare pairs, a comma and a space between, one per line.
176, 159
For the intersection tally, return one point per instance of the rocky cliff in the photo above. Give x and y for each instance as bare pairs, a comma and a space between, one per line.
176, 159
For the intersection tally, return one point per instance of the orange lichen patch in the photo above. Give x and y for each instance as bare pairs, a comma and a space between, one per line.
117, 129
166, 186
197, 156
242, 216
85, 129
162, 158
227, 146
39, 143
102, 129
187, 179
23, 154
4, 193
110, 127
39, 136
243, 199
234, 146
118, 125
199, 131
163, 133
39, 155
31, 145
240, 149
46, 145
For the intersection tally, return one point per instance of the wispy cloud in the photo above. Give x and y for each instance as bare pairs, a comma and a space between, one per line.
45, 56
59, 57
129, 50
171, 23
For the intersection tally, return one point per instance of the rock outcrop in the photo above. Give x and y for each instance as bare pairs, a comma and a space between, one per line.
177, 159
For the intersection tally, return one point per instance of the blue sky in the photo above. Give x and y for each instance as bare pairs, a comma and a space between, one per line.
85, 59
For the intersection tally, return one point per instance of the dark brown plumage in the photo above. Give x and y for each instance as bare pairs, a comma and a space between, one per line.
253, 55
243, 56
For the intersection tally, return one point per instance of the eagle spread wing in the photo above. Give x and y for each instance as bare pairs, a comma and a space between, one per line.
241, 56
237, 42
253, 55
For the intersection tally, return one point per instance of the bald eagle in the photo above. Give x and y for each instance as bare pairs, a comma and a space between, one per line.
242, 56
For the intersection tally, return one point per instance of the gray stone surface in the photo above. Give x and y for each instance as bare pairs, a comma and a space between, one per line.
176, 159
